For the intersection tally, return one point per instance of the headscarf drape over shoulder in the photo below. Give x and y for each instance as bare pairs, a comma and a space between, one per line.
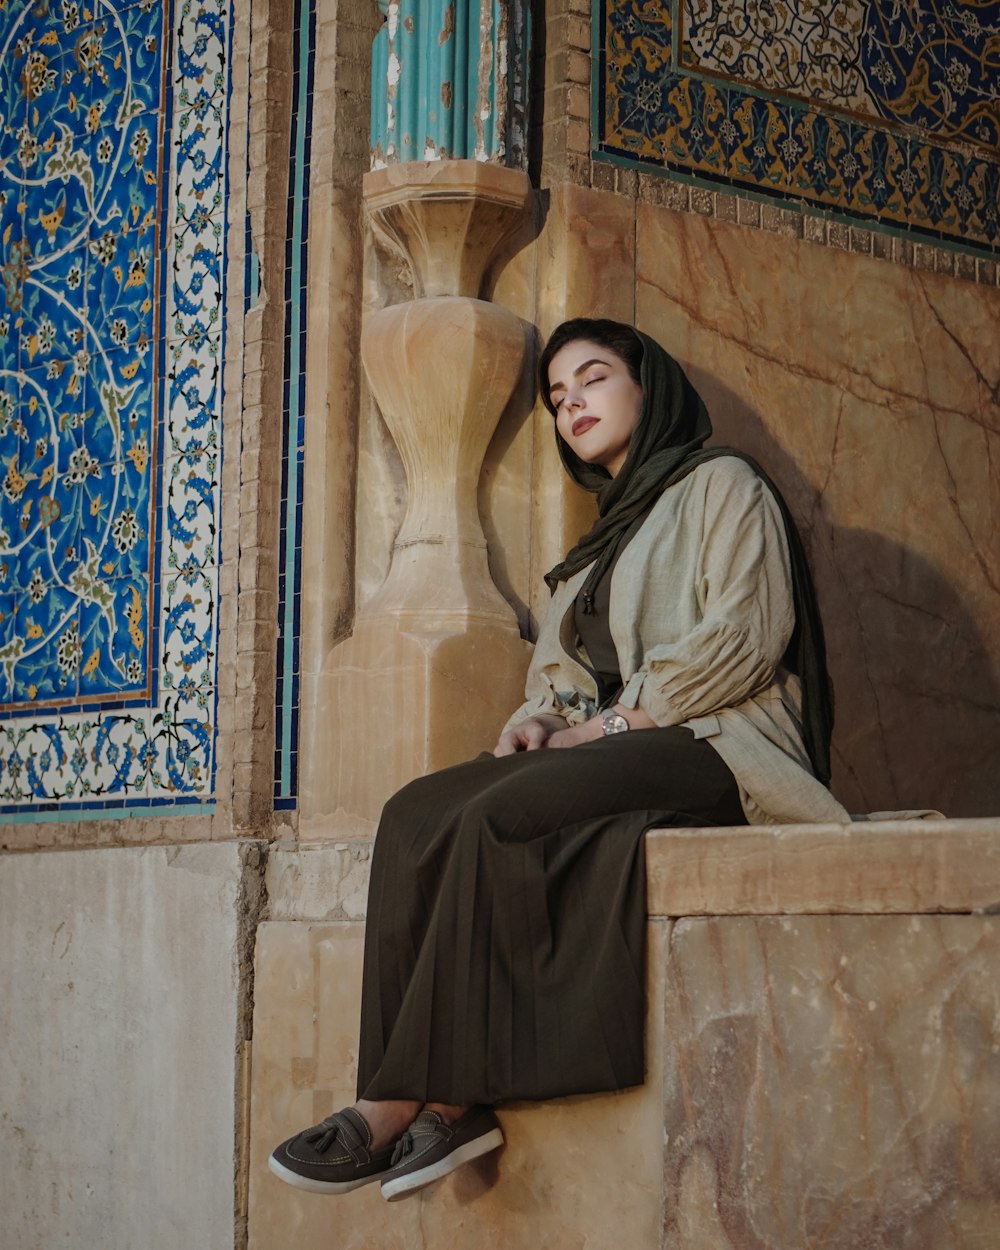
665, 447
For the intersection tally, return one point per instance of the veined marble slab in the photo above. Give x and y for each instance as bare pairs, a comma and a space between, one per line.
870, 392
832, 1082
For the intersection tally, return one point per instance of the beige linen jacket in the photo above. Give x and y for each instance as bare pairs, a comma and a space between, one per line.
701, 614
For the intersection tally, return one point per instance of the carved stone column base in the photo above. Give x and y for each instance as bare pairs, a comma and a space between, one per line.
413, 700
436, 663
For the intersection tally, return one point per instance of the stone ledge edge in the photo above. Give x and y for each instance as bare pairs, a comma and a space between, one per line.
885, 867
869, 867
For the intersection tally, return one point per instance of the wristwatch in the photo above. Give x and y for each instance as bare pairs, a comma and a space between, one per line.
614, 723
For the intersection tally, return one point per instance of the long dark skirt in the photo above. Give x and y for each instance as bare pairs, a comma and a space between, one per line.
504, 955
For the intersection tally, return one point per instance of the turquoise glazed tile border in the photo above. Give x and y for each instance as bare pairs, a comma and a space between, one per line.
885, 114
112, 216
286, 748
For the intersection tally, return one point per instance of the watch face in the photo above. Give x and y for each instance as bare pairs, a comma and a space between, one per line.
614, 723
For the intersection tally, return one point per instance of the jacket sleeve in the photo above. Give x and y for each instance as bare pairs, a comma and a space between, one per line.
573, 706
744, 593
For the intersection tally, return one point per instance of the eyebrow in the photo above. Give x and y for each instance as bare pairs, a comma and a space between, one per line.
594, 360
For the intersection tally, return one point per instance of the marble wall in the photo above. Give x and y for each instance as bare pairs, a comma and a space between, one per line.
832, 1081
869, 391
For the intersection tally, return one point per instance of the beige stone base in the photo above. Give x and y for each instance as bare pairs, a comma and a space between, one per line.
814, 1081
570, 1165
833, 1082
411, 700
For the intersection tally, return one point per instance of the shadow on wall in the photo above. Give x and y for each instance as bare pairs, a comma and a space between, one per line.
917, 689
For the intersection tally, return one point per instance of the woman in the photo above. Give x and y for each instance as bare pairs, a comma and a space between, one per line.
679, 679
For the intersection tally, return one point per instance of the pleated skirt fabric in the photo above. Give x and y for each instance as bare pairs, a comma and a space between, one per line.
505, 940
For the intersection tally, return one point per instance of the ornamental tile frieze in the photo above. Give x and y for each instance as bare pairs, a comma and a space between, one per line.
112, 202
889, 113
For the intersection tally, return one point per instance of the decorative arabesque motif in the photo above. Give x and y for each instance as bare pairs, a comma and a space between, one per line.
888, 112
809, 48
111, 251
932, 65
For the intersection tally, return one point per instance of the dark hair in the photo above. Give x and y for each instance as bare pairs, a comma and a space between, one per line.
614, 335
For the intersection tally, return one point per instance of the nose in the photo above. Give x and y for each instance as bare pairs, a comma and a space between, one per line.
574, 398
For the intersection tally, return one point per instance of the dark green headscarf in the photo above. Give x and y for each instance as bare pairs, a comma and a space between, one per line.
665, 446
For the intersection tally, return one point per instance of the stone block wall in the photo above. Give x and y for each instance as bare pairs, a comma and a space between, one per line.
124, 988
822, 1058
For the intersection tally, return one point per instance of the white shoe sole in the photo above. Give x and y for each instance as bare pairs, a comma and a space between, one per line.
396, 1187
318, 1187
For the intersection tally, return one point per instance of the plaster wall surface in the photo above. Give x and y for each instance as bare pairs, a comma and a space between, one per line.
117, 1071
832, 1081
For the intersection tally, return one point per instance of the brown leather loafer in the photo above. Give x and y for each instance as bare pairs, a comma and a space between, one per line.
333, 1157
430, 1149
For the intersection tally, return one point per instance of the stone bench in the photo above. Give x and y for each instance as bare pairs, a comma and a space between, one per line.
823, 1058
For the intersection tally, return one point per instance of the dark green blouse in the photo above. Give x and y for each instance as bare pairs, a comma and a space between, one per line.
596, 647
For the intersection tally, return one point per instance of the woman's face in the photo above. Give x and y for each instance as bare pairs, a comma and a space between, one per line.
597, 402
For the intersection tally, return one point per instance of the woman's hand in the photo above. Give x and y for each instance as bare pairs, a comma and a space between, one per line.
593, 729
573, 735
529, 734
553, 732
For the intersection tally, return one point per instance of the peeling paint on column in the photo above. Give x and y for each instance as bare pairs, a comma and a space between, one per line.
448, 29
385, 86
485, 85
516, 81
450, 81
503, 60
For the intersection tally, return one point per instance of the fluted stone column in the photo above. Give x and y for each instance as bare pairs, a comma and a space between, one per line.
450, 80
435, 663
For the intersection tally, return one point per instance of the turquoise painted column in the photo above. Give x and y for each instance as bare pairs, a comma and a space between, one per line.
450, 81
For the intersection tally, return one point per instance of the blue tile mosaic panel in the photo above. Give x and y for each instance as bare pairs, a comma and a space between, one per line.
883, 112
112, 204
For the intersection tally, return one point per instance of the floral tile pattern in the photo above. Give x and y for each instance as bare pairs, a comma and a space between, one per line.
884, 112
930, 65
112, 204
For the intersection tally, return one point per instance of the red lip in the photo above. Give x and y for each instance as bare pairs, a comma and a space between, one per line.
582, 424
